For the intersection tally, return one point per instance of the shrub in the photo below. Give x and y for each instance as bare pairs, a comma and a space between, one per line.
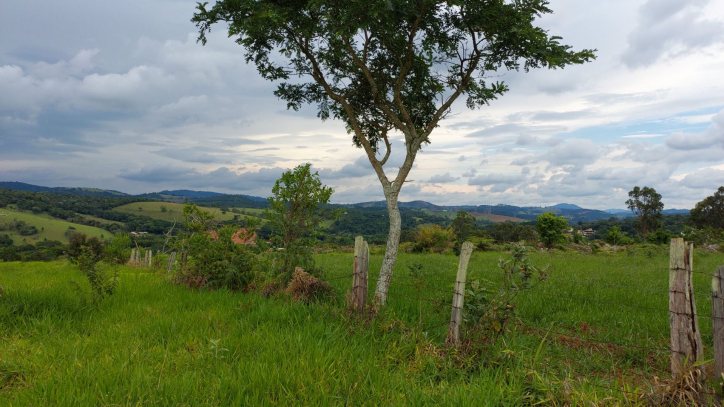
434, 238
214, 260
658, 237
86, 253
116, 251
551, 228
489, 309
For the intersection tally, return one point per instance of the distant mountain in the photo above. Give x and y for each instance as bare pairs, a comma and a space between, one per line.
21, 186
676, 211
617, 211
191, 194
565, 206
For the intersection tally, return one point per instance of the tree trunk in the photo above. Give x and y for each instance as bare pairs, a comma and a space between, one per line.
393, 241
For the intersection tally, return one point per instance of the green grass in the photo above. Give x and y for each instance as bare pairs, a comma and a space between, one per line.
174, 211
48, 227
151, 343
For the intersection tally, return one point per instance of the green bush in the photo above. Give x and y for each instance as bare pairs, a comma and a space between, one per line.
214, 260
434, 239
86, 253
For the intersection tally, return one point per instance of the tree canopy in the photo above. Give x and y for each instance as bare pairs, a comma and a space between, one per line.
646, 205
710, 211
392, 67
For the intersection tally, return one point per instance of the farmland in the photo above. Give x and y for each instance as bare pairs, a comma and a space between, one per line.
174, 211
158, 343
48, 227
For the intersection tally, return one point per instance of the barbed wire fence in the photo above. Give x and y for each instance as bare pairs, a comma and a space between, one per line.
438, 304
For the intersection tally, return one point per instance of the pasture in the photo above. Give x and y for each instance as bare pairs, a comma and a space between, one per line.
174, 211
157, 343
48, 227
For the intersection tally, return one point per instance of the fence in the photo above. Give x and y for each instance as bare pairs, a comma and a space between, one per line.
624, 319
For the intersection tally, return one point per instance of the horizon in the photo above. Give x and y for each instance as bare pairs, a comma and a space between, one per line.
350, 203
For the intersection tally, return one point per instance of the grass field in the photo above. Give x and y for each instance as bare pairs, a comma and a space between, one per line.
174, 211
160, 344
49, 228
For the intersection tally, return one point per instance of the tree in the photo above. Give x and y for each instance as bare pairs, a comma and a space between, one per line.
646, 205
710, 211
462, 226
551, 228
389, 68
295, 213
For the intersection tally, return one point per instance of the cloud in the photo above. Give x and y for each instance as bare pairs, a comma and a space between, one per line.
712, 137
259, 182
442, 179
671, 28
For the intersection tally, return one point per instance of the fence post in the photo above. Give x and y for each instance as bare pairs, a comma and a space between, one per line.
137, 260
133, 257
456, 317
686, 346
171, 259
361, 268
717, 318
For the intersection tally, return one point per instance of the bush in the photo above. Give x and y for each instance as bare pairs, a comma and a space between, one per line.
658, 237
434, 239
551, 228
214, 260
86, 253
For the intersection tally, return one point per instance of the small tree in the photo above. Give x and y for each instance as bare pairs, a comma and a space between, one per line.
296, 210
551, 228
389, 67
462, 226
710, 211
646, 205
85, 253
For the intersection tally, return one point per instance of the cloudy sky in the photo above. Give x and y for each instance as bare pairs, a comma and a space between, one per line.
118, 95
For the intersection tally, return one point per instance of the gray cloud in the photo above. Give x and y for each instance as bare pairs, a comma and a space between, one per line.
670, 28
442, 179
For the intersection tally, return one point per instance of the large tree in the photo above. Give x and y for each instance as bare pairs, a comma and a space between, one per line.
389, 67
710, 211
646, 205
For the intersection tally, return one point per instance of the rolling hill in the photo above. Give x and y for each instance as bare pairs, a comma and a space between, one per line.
49, 228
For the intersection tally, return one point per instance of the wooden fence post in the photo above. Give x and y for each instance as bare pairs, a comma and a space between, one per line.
717, 318
456, 318
137, 260
171, 259
133, 257
361, 268
686, 346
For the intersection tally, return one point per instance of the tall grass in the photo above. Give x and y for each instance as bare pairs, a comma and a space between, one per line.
157, 343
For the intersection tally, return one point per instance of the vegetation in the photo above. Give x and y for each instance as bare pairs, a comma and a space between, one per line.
391, 66
434, 239
297, 208
646, 205
709, 213
209, 257
551, 229
85, 253
216, 347
25, 227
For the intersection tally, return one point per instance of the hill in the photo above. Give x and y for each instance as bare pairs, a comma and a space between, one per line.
173, 212
48, 227
21, 186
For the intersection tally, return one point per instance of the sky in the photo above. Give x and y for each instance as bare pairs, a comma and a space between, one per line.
119, 95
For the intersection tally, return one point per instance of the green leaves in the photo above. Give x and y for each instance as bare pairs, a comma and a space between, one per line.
551, 228
392, 64
297, 207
